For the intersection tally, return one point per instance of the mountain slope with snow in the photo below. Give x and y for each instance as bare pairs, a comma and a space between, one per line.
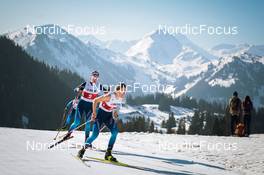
224, 50
154, 47
235, 73
156, 59
173, 59
67, 52
176, 54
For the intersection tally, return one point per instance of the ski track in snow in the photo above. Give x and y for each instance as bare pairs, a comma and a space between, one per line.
148, 151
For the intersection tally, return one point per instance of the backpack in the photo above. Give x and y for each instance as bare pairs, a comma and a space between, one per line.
234, 106
240, 130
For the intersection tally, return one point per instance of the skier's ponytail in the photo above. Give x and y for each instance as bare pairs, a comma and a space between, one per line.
120, 86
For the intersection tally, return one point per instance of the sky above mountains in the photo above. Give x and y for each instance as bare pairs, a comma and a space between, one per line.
131, 20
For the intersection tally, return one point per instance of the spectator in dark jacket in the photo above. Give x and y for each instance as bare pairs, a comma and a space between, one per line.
247, 107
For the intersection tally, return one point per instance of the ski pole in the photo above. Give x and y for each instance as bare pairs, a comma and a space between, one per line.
102, 128
62, 121
76, 128
64, 116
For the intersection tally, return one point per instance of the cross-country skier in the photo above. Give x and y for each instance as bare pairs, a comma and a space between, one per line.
70, 110
71, 106
107, 113
89, 91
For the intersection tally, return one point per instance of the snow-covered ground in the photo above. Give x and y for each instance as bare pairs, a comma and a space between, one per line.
23, 152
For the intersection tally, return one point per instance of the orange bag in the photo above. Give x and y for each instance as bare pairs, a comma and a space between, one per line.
240, 130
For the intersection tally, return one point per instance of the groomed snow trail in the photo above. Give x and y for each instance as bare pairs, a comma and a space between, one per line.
24, 151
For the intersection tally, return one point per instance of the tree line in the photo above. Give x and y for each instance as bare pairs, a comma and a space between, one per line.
210, 118
33, 94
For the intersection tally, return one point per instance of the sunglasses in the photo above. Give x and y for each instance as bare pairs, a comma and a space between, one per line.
95, 75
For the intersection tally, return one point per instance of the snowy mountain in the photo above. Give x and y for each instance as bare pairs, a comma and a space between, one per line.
67, 52
223, 50
146, 153
118, 46
139, 75
243, 73
156, 47
175, 54
157, 58
145, 72
193, 71
170, 59
91, 39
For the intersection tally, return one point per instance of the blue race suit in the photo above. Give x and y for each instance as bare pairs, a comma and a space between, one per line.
105, 116
89, 92
71, 109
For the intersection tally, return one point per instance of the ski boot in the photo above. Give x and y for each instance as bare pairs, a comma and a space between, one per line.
88, 146
67, 136
109, 156
82, 151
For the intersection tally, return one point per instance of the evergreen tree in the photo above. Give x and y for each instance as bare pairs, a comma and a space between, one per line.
195, 124
163, 124
181, 127
151, 128
170, 123
209, 124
